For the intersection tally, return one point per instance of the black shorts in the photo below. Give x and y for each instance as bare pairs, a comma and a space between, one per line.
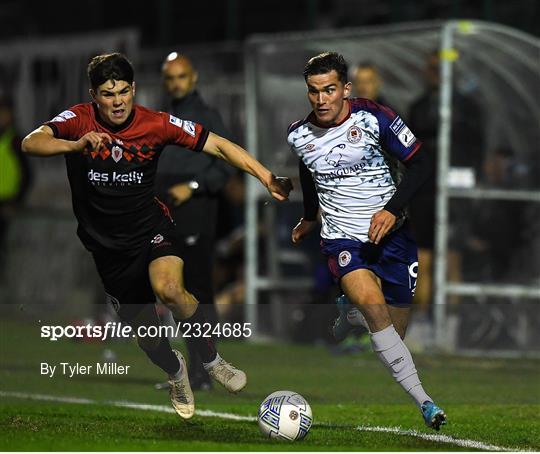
125, 274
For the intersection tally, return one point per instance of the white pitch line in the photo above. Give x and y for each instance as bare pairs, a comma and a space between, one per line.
168, 409
125, 404
439, 438
213, 414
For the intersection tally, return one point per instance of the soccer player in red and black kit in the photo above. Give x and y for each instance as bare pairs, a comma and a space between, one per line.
112, 146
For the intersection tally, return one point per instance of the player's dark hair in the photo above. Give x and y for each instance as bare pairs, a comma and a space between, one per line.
325, 63
109, 67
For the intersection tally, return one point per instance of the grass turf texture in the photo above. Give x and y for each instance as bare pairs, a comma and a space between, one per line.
487, 400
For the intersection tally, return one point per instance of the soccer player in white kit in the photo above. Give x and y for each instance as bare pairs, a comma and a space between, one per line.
365, 233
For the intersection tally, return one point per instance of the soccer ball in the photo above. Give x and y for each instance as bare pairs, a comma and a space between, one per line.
285, 415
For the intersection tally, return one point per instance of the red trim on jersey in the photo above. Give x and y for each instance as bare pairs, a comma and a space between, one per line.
165, 208
372, 106
412, 153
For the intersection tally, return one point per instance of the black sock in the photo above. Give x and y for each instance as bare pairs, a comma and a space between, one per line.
164, 357
204, 346
195, 365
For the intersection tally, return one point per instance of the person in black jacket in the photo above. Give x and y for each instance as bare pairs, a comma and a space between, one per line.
468, 143
190, 184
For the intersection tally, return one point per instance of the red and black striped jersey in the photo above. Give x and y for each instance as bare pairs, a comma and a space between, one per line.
113, 188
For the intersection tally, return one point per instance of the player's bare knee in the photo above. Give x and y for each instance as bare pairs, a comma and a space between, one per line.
169, 292
365, 296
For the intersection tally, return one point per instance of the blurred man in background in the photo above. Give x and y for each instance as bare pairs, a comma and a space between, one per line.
484, 257
467, 151
190, 184
14, 172
367, 82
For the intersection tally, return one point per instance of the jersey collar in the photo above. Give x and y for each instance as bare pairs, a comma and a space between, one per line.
116, 128
313, 119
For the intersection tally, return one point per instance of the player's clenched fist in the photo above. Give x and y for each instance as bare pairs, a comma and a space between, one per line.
301, 230
93, 141
280, 187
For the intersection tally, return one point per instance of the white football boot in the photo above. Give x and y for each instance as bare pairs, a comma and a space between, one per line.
180, 391
230, 377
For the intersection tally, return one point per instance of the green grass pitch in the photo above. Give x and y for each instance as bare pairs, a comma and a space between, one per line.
494, 403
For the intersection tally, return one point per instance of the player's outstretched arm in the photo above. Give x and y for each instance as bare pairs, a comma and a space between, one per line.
41, 142
278, 187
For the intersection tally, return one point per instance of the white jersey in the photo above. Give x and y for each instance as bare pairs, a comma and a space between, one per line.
346, 162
